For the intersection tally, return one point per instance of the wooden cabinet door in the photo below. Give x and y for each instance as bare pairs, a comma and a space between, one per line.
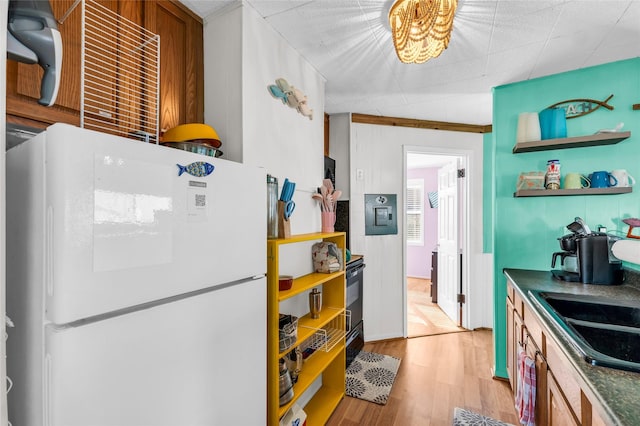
517, 340
511, 347
23, 80
181, 62
558, 411
181, 67
534, 352
597, 420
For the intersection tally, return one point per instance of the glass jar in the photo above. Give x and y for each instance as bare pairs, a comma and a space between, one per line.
272, 207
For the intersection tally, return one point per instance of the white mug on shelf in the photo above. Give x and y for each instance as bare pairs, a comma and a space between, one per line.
528, 127
624, 179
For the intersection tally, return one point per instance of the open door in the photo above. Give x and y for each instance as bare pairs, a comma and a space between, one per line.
448, 251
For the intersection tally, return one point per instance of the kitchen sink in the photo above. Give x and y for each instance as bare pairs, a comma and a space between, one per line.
606, 331
595, 309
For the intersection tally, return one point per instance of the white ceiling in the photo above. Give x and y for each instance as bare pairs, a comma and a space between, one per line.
493, 43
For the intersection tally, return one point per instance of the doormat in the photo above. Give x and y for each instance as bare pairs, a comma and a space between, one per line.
370, 377
462, 417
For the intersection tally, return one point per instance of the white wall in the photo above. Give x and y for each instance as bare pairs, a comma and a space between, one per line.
379, 152
222, 35
243, 56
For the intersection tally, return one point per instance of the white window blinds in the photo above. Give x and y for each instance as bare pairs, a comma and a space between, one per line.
415, 211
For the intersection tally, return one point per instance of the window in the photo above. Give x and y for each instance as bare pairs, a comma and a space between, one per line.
415, 211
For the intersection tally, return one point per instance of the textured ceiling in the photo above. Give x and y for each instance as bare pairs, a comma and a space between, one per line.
493, 43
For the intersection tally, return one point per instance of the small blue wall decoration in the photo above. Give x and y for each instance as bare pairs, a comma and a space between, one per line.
292, 96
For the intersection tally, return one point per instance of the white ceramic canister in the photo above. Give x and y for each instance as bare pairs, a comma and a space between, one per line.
528, 127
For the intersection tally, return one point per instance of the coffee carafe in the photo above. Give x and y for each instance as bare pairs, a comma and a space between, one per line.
568, 259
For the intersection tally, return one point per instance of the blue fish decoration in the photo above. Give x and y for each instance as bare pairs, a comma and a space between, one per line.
198, 169
277, 93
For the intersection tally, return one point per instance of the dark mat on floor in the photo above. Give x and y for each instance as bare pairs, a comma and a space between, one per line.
462, 417
370, 377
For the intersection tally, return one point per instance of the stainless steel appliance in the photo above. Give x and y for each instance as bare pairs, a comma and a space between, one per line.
355, 338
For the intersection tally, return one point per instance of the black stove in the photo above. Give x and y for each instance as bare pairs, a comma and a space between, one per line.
355, 337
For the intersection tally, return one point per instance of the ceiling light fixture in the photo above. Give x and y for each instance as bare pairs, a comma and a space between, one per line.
421, 29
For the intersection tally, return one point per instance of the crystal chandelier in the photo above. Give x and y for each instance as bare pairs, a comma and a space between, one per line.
421, 29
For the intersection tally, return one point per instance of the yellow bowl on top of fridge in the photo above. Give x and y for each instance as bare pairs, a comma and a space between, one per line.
193, 132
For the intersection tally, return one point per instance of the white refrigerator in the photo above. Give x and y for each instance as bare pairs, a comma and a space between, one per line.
136, 284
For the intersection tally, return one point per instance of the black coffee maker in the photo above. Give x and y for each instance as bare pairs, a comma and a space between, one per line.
595, 263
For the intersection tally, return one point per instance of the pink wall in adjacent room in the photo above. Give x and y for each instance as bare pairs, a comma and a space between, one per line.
419, 257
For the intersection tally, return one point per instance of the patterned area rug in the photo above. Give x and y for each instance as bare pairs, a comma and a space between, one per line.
462, 417
370, 377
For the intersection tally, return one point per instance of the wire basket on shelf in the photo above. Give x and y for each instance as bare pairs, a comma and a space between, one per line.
326, 338
288, 334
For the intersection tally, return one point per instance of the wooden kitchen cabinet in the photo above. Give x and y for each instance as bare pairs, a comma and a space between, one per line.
514, 339
560, 400
23, 80
535, 353
181, 68
514, 335
328, 361
181, 62
511, 347
559, 413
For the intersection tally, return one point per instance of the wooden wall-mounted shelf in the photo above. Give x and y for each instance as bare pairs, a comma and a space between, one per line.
574, 142
565, 192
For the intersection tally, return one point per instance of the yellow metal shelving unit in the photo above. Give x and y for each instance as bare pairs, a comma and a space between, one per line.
328, 361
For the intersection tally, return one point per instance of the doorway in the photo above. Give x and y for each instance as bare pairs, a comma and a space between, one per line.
435, 212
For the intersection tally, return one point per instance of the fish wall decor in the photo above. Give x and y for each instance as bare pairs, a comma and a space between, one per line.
290, 95
575, 108
198, 169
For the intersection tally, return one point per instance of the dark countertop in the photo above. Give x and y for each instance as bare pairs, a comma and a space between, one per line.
616, 391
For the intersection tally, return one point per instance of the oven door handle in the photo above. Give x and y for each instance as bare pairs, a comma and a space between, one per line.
355, 271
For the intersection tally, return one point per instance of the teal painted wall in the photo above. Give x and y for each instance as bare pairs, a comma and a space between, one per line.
526, 229
487, 193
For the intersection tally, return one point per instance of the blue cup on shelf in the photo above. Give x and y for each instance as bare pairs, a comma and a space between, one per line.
553, 123
602, 179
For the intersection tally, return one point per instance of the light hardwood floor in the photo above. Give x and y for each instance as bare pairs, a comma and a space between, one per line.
437, 373
425, 318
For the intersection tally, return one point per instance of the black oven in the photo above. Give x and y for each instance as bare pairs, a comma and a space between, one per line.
355, 337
